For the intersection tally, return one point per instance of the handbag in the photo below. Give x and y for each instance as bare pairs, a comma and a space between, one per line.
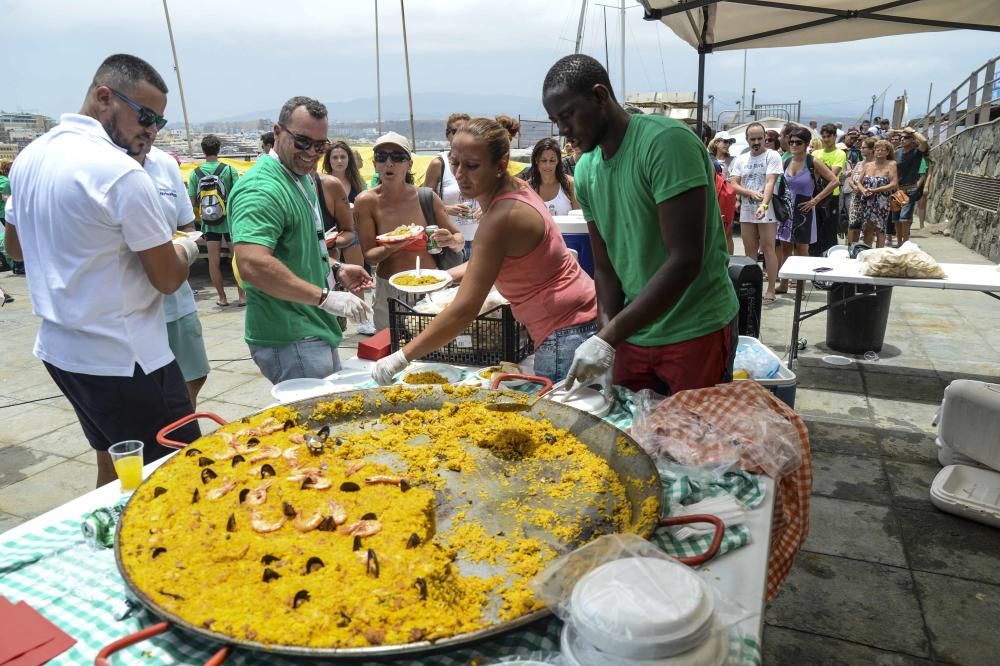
780, 205
897, 200
447, 257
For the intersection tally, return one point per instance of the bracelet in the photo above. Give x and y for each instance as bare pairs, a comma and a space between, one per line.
322, 296
764, 206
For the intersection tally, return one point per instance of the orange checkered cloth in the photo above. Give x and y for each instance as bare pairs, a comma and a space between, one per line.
733, 408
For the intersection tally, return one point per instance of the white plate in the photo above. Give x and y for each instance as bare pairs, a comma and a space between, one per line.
507, 383
415, 231
349, 380
453, 374
424, 289
834, 359
193, 235
585, 399
291, 390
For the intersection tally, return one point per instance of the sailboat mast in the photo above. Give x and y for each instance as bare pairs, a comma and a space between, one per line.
378, 74
623, 47
409, 87
579, 27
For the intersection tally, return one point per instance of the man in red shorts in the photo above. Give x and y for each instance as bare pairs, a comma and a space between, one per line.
646, 186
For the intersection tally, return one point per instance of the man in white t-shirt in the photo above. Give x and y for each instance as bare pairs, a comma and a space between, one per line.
85, 218
179, 309
754, 176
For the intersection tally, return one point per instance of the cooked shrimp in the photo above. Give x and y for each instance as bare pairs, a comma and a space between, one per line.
385, 479
338, 513
217, 493
363, 528
316, 482
270, 425
258, 495
261, 524
227, 438
265, 453
354, 467
297, 438
304, 523
291, 456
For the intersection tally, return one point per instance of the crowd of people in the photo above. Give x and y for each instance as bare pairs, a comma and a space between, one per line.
801, 190
106, 247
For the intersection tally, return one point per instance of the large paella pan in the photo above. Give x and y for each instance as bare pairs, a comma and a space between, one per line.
378, 522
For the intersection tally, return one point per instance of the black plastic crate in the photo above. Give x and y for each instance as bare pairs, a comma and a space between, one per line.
490, 338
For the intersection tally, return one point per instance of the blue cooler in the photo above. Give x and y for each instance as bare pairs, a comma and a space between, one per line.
574, 232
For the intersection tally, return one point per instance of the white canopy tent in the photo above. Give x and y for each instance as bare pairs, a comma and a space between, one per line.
721, 25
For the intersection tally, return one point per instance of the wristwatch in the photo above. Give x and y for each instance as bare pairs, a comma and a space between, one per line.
322, 295
336, 268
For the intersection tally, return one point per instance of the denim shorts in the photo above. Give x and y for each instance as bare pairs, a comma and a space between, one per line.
906, 213
554, 356
309, 357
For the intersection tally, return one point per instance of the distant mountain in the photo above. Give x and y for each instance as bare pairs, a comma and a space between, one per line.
426, 106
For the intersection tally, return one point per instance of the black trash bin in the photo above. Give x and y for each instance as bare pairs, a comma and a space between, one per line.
748, 281
857, 326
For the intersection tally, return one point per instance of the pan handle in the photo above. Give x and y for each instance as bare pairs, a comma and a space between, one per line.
103, 657
544, 381
713, 549
161, 436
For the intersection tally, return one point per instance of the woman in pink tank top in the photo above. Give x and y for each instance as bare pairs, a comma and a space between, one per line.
519, 249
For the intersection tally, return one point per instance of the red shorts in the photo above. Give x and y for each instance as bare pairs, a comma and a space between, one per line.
667, 369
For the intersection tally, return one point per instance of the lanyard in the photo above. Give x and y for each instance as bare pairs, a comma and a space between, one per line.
313, 205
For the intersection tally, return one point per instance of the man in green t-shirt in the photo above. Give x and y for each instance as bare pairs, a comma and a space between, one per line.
291, 322
216, 231
827, 211
646, 186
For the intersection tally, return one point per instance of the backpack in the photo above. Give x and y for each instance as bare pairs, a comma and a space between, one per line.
211, 195
447, 258
727, 199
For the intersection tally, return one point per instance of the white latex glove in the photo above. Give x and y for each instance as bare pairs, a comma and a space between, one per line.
387, 368
345, 304
593, 359
189, 247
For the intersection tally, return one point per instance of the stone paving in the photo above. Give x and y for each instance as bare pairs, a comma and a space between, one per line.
884, 578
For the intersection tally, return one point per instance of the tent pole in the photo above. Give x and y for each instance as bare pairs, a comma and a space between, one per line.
180, 86
579, 27
378, 74
623, 47
409, 88
701, 92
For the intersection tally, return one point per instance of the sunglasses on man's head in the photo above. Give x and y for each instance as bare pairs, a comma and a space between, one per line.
303, 142
147, 117
394, 155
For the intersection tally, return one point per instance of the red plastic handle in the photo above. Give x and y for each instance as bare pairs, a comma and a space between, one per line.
103, 657
713, 549
504, 376
161, 436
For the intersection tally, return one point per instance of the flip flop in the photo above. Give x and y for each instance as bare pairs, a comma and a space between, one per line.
223, 305
769, 300
241, 305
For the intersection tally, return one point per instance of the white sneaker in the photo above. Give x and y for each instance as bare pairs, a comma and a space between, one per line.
367, 328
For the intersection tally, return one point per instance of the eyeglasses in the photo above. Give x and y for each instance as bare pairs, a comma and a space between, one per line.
303, 142
396, 156
147, 117
796, 142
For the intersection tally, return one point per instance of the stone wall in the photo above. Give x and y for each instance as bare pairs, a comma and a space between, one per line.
975, 150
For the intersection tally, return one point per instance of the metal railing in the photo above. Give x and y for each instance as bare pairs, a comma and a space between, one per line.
953, 114
532, 131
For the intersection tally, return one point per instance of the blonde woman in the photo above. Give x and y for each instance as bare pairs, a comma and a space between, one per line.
878, 182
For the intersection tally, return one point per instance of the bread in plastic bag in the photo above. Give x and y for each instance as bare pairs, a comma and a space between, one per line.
625, 600
906, 261
746, 434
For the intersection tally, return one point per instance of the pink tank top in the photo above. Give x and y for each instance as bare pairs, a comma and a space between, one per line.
546, 288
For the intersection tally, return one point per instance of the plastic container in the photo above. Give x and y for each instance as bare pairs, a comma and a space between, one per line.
784, 382
580, 243
857, 326
490, 338
713, 652
969, 423
616, 610
968, 492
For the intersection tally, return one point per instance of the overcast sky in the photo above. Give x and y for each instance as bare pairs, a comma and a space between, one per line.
238, 56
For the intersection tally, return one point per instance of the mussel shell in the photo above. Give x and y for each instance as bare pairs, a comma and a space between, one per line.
231, 523
252, 442
205, 462
289, 424
195, 496
371, 564
243, 495
191, 451
404, 485
349, 487
422, 588
268, 559
207, 475
300, 598
266, 470
158, 490
269, 575
413, 541
159, 550
327, 525
237, 459
288, 510
314, 564
369, 516
357, 544
323, 433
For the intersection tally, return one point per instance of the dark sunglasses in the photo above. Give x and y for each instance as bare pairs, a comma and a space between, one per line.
303, 142
147, 117
450, 131
796, 142
396, 156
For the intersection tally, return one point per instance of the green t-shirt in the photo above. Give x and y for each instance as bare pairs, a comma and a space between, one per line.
920, 171
659, 159
267, 208
4, 192
229, 177
833, 158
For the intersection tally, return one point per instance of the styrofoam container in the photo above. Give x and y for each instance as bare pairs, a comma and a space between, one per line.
969, 492
783, 384
712, 652
949, 456
642, 608
969, 421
